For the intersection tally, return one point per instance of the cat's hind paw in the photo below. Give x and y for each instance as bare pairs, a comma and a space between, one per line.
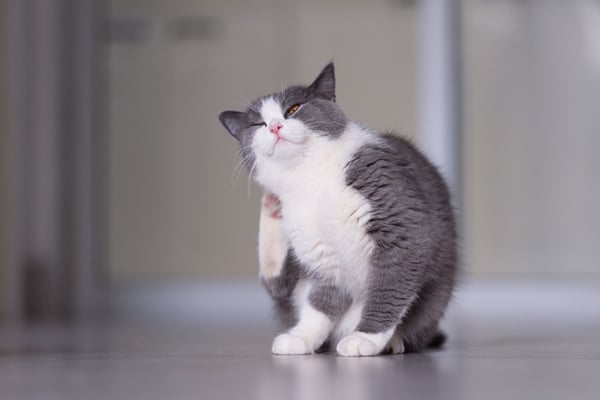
357, 345
396, 345
286, 344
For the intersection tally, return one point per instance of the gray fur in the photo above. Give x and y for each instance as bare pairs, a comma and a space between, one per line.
330, 300
281, 288
412, 224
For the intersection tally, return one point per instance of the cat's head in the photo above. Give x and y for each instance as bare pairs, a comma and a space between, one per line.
280, 127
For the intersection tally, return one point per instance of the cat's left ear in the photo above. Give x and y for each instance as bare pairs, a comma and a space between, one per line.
324, 85
234, 122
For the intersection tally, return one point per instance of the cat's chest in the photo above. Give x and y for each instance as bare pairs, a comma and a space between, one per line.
324, 219
326, 226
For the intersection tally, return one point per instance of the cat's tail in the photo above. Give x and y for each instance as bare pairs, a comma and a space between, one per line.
437, 341
420, 342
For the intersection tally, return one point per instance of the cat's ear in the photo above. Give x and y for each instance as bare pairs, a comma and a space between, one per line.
234, 122
324, 85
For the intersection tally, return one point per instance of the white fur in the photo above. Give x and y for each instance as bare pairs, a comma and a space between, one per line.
364, 344
287, 344
349, 320
293, 133
272, 245
324, 220
310, 332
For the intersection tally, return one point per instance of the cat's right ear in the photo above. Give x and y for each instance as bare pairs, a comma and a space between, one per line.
324, 85
234, 122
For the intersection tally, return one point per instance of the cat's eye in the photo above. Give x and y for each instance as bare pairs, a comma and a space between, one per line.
259, 124
292, 109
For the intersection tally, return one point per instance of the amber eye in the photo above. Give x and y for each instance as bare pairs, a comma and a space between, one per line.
292, 109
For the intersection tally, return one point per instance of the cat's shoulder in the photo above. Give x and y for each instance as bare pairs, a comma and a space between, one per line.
387, 145
385, 159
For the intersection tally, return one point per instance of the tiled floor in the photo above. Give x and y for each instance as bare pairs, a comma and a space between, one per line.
506, 342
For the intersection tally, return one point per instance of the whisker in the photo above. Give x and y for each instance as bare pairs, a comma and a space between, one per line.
237, 171
249, 103
283, 88
249, 176
239, 167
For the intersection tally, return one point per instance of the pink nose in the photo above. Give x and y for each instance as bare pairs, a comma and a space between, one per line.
275, 126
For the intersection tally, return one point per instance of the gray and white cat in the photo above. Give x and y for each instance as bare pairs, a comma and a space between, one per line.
357, 239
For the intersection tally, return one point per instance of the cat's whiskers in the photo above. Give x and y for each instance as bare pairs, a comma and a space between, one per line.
239, 166
283, 88
237, 171
250, 106
250, 176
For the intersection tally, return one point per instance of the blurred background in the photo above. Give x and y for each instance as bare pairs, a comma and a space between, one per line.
117, 187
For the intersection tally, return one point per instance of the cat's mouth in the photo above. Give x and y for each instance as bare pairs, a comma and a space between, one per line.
282, 147
280, 140
280, 144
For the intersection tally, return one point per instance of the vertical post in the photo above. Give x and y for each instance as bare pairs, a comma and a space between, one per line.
9, 285
82, 138
50, 237
440, 100
40, 154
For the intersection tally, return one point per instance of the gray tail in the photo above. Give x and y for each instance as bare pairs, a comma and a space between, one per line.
437, 340
421, 343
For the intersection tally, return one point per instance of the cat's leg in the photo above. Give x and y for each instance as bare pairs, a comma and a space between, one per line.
420, 327
386, 305
319, 307
279, 272
311, 330
272, 241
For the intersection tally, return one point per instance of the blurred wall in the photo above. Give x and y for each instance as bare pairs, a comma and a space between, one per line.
8, 282
532, 92
174, 210
3, 166
50, 186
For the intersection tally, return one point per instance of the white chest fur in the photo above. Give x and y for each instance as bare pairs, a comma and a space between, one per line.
323, 218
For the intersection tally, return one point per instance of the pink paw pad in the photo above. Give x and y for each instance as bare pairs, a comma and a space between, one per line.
272, 204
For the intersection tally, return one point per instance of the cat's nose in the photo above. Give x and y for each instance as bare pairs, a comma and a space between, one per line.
274, 126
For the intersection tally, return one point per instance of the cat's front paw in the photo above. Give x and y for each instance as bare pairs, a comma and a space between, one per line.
286, 344
357, 345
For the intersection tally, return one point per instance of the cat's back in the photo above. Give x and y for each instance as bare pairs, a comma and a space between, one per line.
393, 165
410, 200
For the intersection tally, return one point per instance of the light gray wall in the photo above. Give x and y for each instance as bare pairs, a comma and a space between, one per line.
532, 90
48, 152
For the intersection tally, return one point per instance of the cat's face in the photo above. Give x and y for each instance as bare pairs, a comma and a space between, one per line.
281, 127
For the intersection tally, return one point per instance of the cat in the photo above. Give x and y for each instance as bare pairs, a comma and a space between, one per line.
357, 235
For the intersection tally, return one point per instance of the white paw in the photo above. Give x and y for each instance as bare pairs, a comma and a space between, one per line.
356, 345
286, 344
